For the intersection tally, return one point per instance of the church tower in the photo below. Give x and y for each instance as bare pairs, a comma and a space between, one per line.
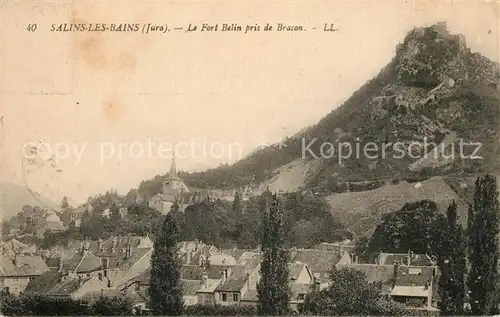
173, 184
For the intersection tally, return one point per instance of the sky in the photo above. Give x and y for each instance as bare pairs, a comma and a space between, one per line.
110, 108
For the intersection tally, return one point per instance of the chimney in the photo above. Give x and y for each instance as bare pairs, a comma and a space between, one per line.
105, 263
16, 260
356, 259
200, 262
59, 264
293, 253
99, 245
204, 279
80, 281
81, 247
408, 258
395, 274
188, 257
247, 282
87, 245
128, 252
426, 286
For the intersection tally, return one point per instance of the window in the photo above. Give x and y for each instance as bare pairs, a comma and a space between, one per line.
235, 297
224, 297
301, 296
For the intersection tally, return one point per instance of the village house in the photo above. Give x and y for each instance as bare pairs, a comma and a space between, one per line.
123, 257
413, 286
63, 285
76, 215
14, 246
18, 270
83, 264
320, 262
406, 278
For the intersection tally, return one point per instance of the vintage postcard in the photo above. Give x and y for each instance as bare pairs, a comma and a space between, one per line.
250, 157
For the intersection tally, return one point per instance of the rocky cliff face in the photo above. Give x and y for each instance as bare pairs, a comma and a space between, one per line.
434, 90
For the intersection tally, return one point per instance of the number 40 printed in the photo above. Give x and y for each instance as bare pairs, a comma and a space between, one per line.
31, 27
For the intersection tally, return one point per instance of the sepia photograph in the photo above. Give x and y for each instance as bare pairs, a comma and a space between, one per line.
250, 158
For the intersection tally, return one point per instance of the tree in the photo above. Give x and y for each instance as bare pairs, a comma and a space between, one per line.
165, 289
449, 247
115, 213
273, 288
112, 306
483, 247
237, 206
65, 207
406, 229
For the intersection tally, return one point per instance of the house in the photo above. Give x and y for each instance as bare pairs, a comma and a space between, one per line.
320, 262
238, 285
137, 289
18, 270
64, 285
375, 273
409, 259
84, 263
123, 257
413, 286
76, 215
14, 246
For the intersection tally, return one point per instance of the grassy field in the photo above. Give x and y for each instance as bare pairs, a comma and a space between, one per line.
362, 211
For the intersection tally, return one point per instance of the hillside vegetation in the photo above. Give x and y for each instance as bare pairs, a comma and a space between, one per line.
434, 87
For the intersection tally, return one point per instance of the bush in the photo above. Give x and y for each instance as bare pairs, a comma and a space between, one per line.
218, 310
39, 305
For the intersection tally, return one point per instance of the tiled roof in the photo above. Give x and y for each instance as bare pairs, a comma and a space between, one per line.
191, 272
298, 289
16, 245
105, 248
22, 265
123, 263
143, 278
51, 283
68, 286
239, 275
295, 269
250, 295
83, 263
416, 259
43, 283
374, 273
335, 247
234, 282
190, 287
318, 260
414, 276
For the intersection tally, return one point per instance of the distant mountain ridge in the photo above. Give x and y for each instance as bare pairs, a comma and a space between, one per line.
434, 88
14, 197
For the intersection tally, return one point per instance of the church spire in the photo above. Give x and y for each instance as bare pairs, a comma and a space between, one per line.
173, 169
